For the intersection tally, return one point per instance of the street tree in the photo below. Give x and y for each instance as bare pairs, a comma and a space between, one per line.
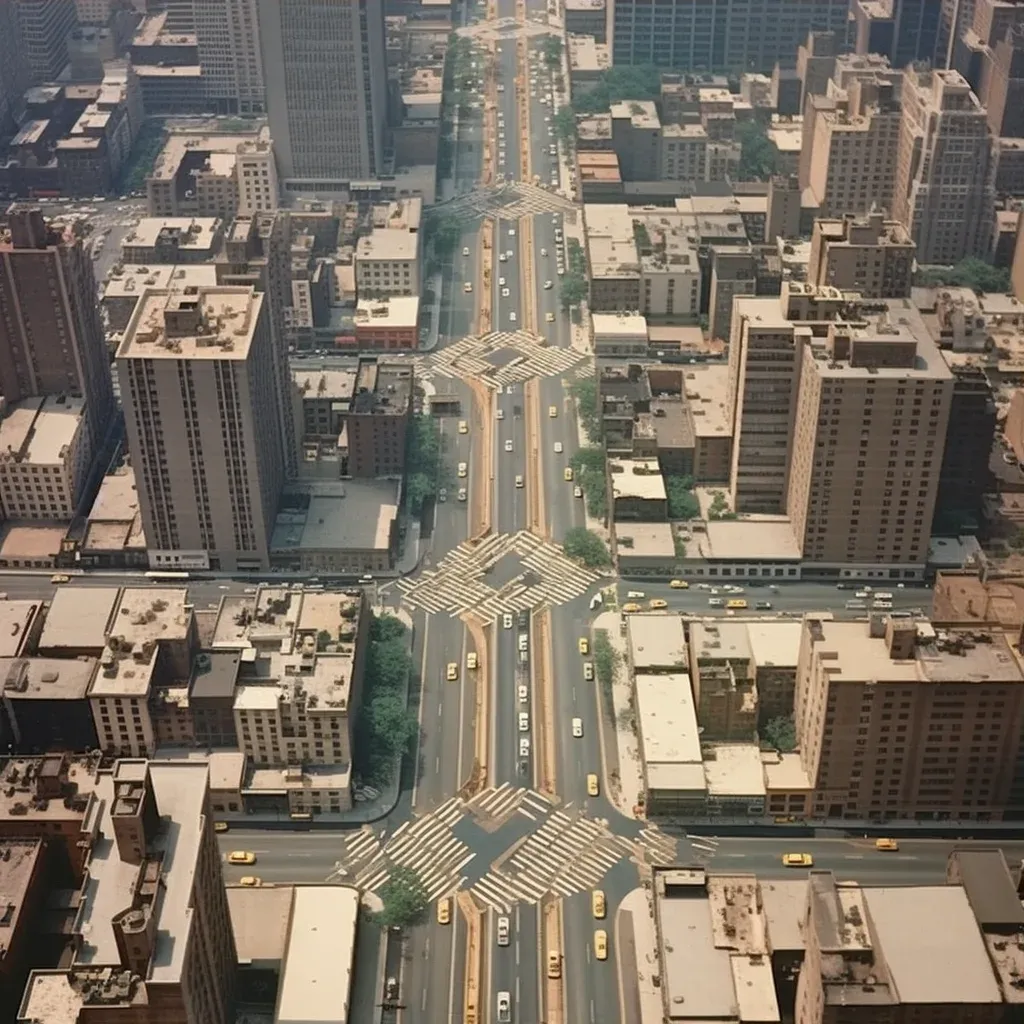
682, 502
585, 546
389, 664
387, 627
564, 125
405, 898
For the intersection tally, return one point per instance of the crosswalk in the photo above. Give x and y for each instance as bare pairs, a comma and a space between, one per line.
525, 356
458, 583
495, 805
510, 201
568, 854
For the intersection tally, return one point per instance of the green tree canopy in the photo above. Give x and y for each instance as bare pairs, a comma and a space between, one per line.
968, 273
758, 157
405, 898
564, 124
780, 733
573, 290
551, 47
387, 627
587, 547
585, 393
388, 663
682, 502
621, 82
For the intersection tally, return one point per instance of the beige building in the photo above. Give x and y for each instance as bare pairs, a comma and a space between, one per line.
944, 192
388, 257
869, 255
45, 456
721, 667
197, 378
153, 940
897, 720
869, 430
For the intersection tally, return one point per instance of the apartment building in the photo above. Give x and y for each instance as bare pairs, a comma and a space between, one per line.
45, 458
328, 128
905, 31
387, 258
378, 419
944, 190
45, 26
14, 67
868, 434
199, 365
208, 175
717, 36
51, 336
156, 942
868, 255
151, 639
897, 720
979, 54
850, 144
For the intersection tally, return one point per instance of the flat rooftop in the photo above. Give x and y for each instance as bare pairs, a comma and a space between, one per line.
46, 678
197, 234
774, 644
388, 244
734, 770
394, 311
636, 478
152, 613
667, 721
19, 865
16, 620
335, 385
207, 323
715, 640
130, 280
931, 944
744, 539
707, 393
657, 642
214, 675
610, 242
182, 144
79, 618
619, 325
40, 431
259, 919
316, 977
357, 515
645, 540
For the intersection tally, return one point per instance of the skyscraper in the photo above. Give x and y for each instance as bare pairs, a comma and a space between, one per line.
51, 337
201, 411
945, 190
14, 70
227, 37
45, 25
326, 108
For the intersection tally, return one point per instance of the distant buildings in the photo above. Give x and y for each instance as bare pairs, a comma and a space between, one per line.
45, 26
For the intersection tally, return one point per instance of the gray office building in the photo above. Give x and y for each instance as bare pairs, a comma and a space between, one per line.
326, 108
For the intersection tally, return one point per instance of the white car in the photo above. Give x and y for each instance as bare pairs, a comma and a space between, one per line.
500, 414
503, 931
577, 728
558, 447
509, 253
465, 250
543, 252
508, 445
548, 285
502, 258
501, 282
506, 620
577, 492
512, 318
512, 232
561, 271
505, 293
524, 721
523, 692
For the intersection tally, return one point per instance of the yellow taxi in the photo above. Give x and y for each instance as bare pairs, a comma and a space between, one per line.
241, 857
553, 411
567, 473
463, 427
601, 944
452, 672
554, 964
220, 826
588, 671
471, 660
797, 860
597, 903
444, 910
888, 845
679, 585
463, 470
584, 645
736, 604
631, 607
593, 787
60, 578
658, 603
250, 881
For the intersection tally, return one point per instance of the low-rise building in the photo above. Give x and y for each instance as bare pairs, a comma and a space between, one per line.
388, 323
113, 537
621, 335
387, 258
637, 490
46, 705
173, 240
78, 622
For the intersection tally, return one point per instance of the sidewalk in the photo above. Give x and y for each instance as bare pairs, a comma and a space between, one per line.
626, 791
638, 906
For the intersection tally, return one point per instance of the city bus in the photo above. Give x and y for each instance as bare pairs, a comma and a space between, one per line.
167, 575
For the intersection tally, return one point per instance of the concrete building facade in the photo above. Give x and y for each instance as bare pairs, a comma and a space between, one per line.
868, 255
45, 27
199, 366
326, 90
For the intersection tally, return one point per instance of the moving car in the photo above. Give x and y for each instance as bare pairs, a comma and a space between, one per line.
524, 721
512, 318
462, 494
503, 931
593, 786
452, 672
553, 411
630, 608
60, 578
465, 250
736, 603
558, 447
890, 845
657, 602
241, 857
519, 482
471, 660
679, 585
554, 964
523, 693
588, 671
444, 910
463, 427
500, 414
763, 606
577, 492
442, 495
797, 860
584, 645
636, 594
467, 287
597, 904
524, 746
577, 728
601, 944
715, 602
543, 252
567, 472
549, 318
508, 445
220, 826
548, 285
463, 469
250, 881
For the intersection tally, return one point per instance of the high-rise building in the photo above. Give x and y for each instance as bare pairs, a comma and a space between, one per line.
326, 93
985, 26
14, 69
1003, 94
851, 140
956, 16
227, 36
945, 189
45, 26
156, 943
868, 255
51, 336
869, 426
197, 372
697, 35
895, 720
905, 31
